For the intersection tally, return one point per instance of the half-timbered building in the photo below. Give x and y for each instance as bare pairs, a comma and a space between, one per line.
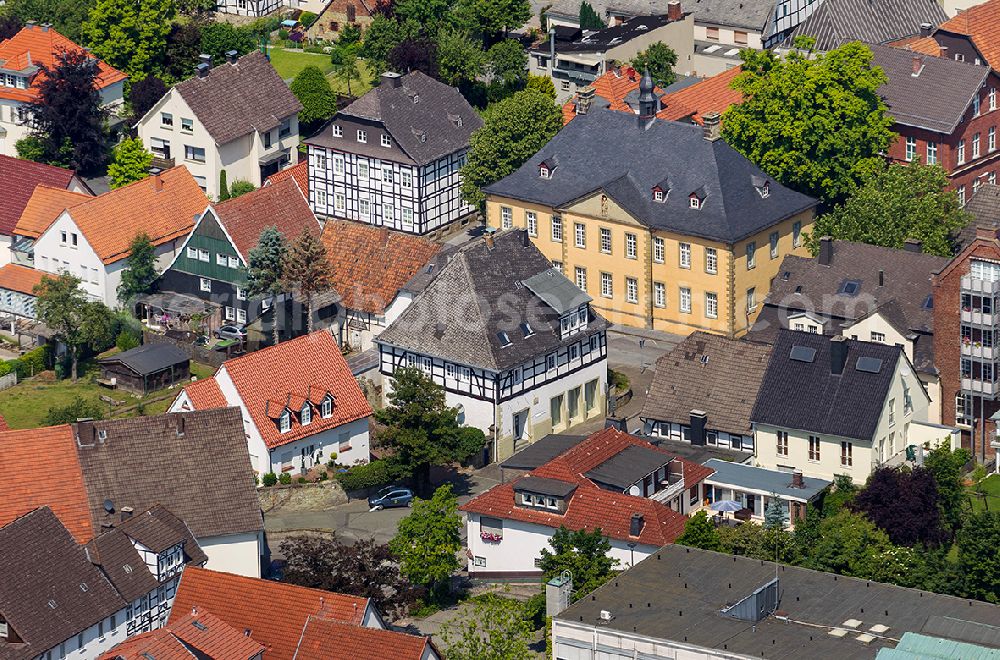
392, 158
514, 343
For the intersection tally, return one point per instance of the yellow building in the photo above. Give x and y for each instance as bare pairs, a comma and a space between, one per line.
663, 223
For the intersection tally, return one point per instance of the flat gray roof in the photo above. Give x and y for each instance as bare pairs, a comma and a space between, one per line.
628, 466
740, 475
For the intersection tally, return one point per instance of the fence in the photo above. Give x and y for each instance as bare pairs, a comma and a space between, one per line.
197, 353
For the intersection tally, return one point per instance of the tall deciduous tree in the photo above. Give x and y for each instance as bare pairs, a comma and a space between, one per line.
584, 554
307, 269
313, 91
513, 130
346, 66
659, 59
948, 468
495, 629
266, 270
10, 25
66, 16
977, 556
428, 540
69, 122
130, 162
141, 271
493, 19
219, 38
700, 532
417, 54
508, 67
75, 321
814, 122
144, 94
460, 58
131, 35
849, 544
382, 36
903, 503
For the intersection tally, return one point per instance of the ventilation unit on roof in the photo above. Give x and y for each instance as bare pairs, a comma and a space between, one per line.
803, 354
757, 606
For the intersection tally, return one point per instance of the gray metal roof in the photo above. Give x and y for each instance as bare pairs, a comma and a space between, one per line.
556, 290
628, 466
914, 646
836, 22
544, 486
754, 478
542, 451
149, 358
612, 153
747, 14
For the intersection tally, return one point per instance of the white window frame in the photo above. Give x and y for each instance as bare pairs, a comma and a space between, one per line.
531, 220
580, 235
631, 290
711, 261
711, 305
605, 240
580, 275
557, 229
751, 255
506, 217
684, 297
659, 249
362, 136
659, 294
205, 284
911, 148
631, 246
385, 140
684, 255
338, 131
607, 285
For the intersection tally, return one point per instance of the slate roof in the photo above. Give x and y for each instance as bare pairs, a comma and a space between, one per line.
370, 265
981, 23
984, 206
936, 99
541, 451
611, 153
286, 374
148, 358
148, 460
688, 587
281, 205
42, 208
598, 41
719, 376
763, 480
458, 316
42, 565
418, 114
628, 466
22, 279
329, 639
236, 600
202, 632
807, 396
591, 506
234, 100
20, 178
59, 486
835, 22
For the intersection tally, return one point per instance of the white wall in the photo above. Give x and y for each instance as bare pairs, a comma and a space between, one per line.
574, 640
234, 553
53, 256
94, 644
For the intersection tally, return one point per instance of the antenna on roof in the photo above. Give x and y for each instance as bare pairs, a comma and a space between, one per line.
109, 507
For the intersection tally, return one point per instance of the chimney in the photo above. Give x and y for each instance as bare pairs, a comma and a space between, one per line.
674, 12
918, 65
157, 183
46, 26
698, 420
825, 250
126, 512
636, 525
838, 354
194, 610
489, 241
552, 48
30, 25
913, 245
392, 79
203, 70
881, 277
925, 29
986, 232
205, 59
647, 100
232, 56
797, 480
180, 426
584, 99
944, 51
711, 126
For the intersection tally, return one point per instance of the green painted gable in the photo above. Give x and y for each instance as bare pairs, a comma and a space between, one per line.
209, 236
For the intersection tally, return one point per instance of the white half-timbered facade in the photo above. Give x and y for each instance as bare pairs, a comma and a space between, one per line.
393, 157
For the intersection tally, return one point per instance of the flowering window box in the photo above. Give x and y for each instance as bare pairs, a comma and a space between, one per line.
491, 537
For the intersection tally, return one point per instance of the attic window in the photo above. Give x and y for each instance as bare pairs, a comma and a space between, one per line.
3, 629
695, 202
544, 172
658, 195
765, 189
326, 407
306, 415
849, 287
526, 330
456, 120
504, 339
285, 422
929, 302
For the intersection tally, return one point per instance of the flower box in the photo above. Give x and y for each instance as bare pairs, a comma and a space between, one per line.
491, 537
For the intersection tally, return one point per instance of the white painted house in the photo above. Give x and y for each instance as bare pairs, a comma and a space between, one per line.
239, 118
299, 402
514, 343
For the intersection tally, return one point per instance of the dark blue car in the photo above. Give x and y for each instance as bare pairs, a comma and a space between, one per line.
390, 496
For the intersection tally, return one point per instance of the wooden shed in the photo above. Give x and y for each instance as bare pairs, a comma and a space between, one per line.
146, 368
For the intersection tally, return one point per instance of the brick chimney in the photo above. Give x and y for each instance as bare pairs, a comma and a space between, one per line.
674, 12
584, 99
838, 354
797, 480
711, 126
913, 245
157, 183
825, 250
925, 29
636, 524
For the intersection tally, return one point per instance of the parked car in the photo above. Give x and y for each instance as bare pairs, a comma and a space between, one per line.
390, 496
237, 332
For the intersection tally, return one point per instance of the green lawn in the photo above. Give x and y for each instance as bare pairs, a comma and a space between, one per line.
288, 63
991, 486
358, 87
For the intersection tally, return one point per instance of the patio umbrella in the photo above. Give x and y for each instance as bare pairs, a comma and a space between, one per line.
726, 505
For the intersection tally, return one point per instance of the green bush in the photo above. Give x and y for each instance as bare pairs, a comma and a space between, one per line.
618, 380
240, 187
282, 34
285, 478
307, 18
368, 475
270, 479
79, 408
534, 611
303, 480
126, 341
323, 476
26, 366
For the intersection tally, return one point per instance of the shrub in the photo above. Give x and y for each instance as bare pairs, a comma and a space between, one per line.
126, 341
367, 475
240, 187
302, 480
534, 611
26, 366
78, 408
270, 479
618, 380
323, 476
285, 478
282, 34
307, 18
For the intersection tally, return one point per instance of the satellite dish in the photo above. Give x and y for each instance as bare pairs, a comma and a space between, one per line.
109, 507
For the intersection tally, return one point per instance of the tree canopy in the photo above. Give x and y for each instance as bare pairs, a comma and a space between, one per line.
144, 94
584, 554
140, 272
428, 540
306, 270
589, 19
130, 162
948, 468
815, 122
903, 503
496, 629
266, 271
977, 556
74, 320
700, 532
313, 91
659, 59
66, 16
131, 35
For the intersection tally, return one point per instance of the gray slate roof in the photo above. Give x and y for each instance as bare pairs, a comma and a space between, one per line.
542, 451
556, 291
149, 358
628, 467
145, 461
985, 209
611, 152
686, 588
807, 396
598, 41
544, 486
937, 98
755, 478
422, 115
479, 293
748, 14
236, 99
724, 387
836, 22
41, 563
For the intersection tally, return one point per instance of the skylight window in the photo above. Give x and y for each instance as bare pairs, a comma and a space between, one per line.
849, 287
803, 353
504, 339
526, 330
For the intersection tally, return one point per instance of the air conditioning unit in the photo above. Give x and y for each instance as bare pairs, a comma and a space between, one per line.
606, 615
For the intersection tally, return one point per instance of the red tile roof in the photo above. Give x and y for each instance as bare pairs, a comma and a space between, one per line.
918, 44
59, 485
42, 208
3, 424
280, 205
590, 506
35, 46
981, 23
20, 178
200, 630
22, 279
299, 172
327, 639
273, 612
310, 365
160, 644
369, 265
205, 394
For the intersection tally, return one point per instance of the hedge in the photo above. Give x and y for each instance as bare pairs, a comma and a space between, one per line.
367, 475
29, 364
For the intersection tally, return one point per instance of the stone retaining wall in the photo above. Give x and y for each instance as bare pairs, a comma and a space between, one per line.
302, 497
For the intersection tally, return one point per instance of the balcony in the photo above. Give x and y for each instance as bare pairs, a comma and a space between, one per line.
673, 485
972, 349
983, 387
975, 317
971, 284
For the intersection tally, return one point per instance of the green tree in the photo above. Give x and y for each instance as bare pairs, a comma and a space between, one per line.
240, 187
266, 270
895, 203
77, 409
508, 67
141, 271
74, 320
542, 85
977, 550
218, 38
31, 147
66, 16
496, 628
948, 468
774, 514
589, 20
381, 37
313, 91
700, 532
346, 66
814, 122
584, 554
420, 429
429, 15
131, 35
513, 131
461, 59
223, 188
759, 542
307, 269
659, 59
428, 540
493, 19
130, 162
849, 544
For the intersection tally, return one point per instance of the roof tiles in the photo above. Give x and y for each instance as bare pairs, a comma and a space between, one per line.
981, 23
281, 205
299, 172
42, 208
20, 178
22, 279
327, 639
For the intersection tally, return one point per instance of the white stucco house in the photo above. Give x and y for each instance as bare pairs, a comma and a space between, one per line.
238, 117
514, 343
299, 402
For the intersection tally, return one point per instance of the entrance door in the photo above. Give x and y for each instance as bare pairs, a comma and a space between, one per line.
520, 418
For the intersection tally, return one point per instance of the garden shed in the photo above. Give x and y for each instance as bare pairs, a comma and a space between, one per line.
146, 368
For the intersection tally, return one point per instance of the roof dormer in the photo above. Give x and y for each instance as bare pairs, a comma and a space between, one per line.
547, 167
697, 199
326, 405
305, 414
761, 185
661, 191
285, 421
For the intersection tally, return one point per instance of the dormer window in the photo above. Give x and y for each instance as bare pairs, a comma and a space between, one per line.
695, 203
544, 172
658, 195
504, 339
765, 189
3, 628
326, 407
305, 416
338, 130
285, 422
526, 330
547, 167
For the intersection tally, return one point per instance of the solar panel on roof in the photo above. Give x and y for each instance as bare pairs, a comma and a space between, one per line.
869, 364
803, 354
